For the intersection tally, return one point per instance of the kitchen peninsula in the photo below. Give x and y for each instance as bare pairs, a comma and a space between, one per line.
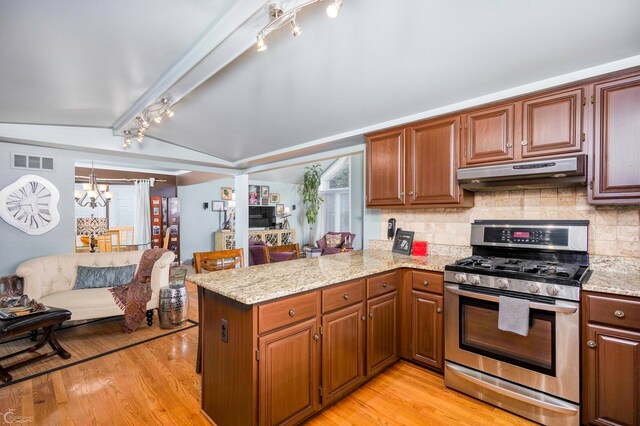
283, 341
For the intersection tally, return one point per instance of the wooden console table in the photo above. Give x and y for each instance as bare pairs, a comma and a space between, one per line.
275, 237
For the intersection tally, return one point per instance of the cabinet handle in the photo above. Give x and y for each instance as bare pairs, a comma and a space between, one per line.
363, 318
591, 344
619, 314
509, 144
402, 194
524, 142
316, 337
292, 313
370, 314
425, 283
346, 296
384, 285
438, 310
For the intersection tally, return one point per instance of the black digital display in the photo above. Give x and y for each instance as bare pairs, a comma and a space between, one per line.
532, 236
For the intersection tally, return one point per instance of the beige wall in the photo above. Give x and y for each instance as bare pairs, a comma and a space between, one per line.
613, 231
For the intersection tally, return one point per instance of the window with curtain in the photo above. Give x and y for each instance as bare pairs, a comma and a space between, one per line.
120, 207
335, 189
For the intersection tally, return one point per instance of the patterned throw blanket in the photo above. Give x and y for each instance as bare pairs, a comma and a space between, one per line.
132, 298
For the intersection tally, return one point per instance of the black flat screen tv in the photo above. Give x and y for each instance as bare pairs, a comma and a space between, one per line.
262, 217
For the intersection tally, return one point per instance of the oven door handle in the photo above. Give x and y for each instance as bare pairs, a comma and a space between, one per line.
560, 309
548, 405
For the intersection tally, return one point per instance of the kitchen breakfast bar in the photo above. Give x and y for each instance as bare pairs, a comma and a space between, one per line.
282, 341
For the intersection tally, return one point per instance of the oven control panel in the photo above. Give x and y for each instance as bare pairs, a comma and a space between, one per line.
530, 236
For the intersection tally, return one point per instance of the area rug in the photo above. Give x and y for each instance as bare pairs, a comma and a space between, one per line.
85, 342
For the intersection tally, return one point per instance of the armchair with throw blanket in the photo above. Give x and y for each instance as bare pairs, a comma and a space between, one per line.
335, 242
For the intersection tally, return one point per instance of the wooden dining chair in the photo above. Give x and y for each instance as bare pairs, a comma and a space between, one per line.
126, 234
212, 261
281, 253
104, 243
115, 238
165, 242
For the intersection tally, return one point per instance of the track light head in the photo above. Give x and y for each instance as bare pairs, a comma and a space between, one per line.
158, 119
170, 113
261, 45
295, 28
334, 8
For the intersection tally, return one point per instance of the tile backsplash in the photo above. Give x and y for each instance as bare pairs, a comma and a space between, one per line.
613, 230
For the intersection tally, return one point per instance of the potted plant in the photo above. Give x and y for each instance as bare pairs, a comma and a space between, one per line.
309, 189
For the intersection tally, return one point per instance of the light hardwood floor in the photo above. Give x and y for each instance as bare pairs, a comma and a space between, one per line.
155, 384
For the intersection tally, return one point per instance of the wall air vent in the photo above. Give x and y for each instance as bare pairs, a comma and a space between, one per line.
32, 162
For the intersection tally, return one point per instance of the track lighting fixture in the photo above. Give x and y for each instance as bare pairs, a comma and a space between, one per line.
281, 18
155, 113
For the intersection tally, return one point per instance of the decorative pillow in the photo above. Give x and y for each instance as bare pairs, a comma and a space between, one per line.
103, 277
333, 241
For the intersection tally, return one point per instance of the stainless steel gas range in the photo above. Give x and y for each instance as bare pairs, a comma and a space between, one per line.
538, 375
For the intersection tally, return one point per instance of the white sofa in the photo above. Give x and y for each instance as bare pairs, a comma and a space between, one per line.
50, 279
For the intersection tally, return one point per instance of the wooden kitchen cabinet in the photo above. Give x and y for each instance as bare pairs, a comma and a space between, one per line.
611, 360
489, 135
385, 168
289, 374
432, 162
552, 124
382, 332
616, 155
343, 346
427, 331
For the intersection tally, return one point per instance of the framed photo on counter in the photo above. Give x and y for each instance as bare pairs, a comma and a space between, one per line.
403, 242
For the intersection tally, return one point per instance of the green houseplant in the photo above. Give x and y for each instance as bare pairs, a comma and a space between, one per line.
309, 189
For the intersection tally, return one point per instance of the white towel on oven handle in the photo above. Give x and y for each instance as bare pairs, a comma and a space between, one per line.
513, 315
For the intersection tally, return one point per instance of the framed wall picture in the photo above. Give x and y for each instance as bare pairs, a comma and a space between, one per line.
264, 191
274, 197
402, 242
217, 205
226, 193
254, 195
279, 209
265, 201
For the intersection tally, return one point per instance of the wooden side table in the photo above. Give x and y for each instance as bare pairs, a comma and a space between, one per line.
48, 321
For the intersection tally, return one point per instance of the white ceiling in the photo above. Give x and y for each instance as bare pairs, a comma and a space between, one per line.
76, 62
84, 63
292, 174
384, 59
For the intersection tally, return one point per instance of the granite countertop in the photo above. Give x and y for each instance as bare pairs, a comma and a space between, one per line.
261, 283
614, 282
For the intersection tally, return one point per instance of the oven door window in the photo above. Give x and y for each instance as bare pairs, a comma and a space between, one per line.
479, 333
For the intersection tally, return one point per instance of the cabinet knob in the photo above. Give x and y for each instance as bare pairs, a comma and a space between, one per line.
438, 310
346, 296
292, 313
524, 142
316, 337
591, 344
402, 194
425, 283
363, 318
384, 285
619, 314
509, 144
410, 192
370, 314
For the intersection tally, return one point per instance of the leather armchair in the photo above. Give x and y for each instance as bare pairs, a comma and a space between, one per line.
347, 243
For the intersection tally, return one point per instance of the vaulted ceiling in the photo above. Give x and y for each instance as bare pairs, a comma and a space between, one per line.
72, 62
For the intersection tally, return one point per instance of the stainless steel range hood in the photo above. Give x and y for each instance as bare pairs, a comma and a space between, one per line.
560, 172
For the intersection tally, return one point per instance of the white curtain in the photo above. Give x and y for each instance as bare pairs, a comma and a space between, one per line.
141, 213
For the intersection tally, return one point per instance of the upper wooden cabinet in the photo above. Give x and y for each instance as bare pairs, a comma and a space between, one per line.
488, 135
432, 162
616, 158
385, 168
552, 124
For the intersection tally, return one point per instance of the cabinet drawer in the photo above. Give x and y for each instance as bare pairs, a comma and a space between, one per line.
287, 311
382, 284
342, 295
432, 282
613, 311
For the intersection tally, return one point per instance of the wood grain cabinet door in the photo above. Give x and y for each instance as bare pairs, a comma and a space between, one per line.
616, 153
488, 136
612, 363
552, 124
432, 162
427, 329
289, 374
382, 332
342, 351
385, 168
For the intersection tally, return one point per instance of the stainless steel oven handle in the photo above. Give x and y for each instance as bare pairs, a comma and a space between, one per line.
563, 409
560, 309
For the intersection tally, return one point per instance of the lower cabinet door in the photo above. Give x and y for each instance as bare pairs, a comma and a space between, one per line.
612, 363
289, 374
427, 329
342, 351
382, 332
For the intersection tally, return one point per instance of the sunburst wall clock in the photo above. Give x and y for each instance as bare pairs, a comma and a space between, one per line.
31, 205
